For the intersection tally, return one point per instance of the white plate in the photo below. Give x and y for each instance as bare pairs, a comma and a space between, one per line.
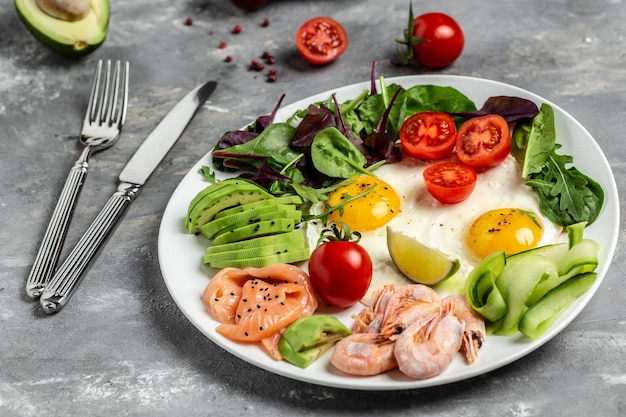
180, 254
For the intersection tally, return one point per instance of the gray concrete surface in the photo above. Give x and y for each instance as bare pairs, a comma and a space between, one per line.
122, 347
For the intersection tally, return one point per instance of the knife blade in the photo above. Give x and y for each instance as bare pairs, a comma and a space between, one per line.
141, 165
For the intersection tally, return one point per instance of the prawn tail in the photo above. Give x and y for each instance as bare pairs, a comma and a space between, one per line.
472, 342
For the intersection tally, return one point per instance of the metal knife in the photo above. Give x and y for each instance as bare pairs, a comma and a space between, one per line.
134, 175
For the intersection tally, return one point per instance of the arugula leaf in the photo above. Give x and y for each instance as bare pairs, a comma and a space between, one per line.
207, 173
566, 195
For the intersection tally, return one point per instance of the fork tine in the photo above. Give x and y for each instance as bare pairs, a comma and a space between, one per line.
124, 105
92, 105
112, 109
119, 96
103, 99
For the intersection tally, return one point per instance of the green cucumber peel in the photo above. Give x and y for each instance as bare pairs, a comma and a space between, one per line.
518, 292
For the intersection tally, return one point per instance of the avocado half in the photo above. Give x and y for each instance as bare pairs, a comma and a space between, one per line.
71, 39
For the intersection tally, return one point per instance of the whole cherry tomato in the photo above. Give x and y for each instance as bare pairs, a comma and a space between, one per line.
450, 182
321, 40
340, 269
483, 142
428, 135
442, 40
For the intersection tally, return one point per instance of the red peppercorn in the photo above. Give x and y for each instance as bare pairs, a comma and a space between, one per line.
223, 45
188, 21
255, 65
237, 29
269, 58
266, 22
228, 58
271, 78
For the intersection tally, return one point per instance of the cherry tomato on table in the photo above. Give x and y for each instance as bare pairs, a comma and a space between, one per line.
340, 269
483, 142
428, 135
450, 182
443, 40
321, 40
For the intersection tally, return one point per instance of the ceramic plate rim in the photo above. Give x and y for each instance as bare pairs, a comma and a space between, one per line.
185, 279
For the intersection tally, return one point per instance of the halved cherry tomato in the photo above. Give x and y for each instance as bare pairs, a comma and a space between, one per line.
428, 135
450, 182
483, 142
443, 40
321, 40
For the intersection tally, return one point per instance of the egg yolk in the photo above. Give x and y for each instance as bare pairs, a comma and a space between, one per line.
508, 229
368, 212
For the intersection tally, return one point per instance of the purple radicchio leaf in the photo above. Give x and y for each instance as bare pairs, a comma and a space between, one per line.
381, 144
316, 120
265, 175
373, 90
510, 108
264, 121
236, 137
345, 130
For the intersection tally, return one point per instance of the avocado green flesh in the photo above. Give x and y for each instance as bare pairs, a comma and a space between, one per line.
67, 38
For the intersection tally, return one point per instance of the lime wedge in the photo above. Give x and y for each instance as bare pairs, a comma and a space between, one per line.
418, 262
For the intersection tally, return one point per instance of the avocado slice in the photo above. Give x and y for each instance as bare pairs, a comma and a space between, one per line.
68, 38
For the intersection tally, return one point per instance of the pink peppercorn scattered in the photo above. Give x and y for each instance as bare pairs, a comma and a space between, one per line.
256, 65
237, 29
269, 58
188, 21
266, 22
228, 58
223, 45
272, 76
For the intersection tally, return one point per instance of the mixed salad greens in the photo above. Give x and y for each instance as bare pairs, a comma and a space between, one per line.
318, 147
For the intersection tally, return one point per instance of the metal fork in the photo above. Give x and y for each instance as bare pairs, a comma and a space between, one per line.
105, 116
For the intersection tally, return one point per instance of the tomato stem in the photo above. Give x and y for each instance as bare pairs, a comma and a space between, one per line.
409, 40
341, 233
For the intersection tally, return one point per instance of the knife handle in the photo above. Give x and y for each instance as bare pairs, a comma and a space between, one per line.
65, 281
52, 243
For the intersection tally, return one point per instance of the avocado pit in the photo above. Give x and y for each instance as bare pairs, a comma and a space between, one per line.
70, 10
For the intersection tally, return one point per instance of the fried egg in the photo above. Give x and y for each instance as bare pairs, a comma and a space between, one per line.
501, 213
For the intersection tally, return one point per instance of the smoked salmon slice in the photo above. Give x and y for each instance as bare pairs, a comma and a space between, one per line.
253, 304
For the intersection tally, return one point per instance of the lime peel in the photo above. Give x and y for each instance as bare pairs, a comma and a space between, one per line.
419, 262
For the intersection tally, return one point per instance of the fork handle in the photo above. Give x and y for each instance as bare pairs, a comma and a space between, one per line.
52, 243
65, 281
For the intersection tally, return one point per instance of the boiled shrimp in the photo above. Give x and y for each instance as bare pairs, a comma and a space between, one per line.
369, 320
424, 351
364, 354
413, 304
474, 333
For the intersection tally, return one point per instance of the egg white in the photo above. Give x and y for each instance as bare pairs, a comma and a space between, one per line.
442, 226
